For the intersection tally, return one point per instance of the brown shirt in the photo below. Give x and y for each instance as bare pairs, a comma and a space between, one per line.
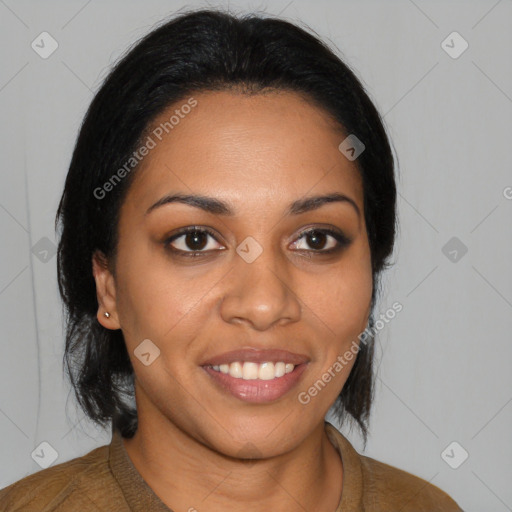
106, 480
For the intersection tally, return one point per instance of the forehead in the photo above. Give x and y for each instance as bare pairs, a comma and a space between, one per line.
273, 147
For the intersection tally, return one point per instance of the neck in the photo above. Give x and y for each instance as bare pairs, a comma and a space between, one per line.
188, 475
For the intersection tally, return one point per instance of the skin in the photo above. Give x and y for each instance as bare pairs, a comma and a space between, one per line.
267, 149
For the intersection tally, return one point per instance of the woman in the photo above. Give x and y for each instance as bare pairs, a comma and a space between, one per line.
227, 214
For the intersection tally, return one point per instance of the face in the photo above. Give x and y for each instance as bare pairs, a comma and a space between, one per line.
266, 286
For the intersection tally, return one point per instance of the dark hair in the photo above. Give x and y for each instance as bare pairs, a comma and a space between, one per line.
200, 50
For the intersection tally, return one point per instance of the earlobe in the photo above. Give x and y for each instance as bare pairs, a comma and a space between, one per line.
105, 292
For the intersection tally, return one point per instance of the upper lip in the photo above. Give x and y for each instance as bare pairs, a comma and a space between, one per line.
255, 355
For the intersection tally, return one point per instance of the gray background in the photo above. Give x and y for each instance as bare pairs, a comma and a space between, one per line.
444, 361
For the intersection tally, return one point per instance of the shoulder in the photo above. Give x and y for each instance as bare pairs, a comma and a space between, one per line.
372, 485
77, 484
389, 486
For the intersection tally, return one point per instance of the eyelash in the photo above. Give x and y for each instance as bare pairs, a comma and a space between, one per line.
341, 239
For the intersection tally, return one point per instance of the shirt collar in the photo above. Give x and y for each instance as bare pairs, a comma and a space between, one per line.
139, 496
352, 489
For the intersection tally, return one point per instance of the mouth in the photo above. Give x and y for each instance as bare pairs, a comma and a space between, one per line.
256, 376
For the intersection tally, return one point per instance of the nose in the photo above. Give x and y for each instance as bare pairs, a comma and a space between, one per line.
260, 293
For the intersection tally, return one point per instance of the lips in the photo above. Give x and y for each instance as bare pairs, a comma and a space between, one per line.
256, 388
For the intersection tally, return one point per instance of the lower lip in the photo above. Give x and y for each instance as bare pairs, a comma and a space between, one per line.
256, 390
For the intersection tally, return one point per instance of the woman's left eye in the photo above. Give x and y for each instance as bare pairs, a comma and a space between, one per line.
318, 240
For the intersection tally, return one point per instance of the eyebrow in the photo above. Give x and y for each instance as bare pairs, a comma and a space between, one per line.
218, 207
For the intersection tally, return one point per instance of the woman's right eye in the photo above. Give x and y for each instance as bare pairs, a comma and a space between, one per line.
192, 241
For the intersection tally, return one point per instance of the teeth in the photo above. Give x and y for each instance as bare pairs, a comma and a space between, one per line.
235, 370
266, 371
250, 371
280, 369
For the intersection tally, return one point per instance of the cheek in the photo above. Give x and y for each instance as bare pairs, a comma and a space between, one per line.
342, 300
351, 304
151, 296
163, 303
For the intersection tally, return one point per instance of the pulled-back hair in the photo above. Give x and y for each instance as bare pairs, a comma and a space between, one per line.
200, 50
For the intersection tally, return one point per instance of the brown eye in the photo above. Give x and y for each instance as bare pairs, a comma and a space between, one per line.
192, 241
195, 240
317, 240
324, 241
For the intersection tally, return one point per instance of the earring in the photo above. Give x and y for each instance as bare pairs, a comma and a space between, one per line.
107, 314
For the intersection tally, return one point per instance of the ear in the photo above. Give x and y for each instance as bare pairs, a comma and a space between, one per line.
105, 291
